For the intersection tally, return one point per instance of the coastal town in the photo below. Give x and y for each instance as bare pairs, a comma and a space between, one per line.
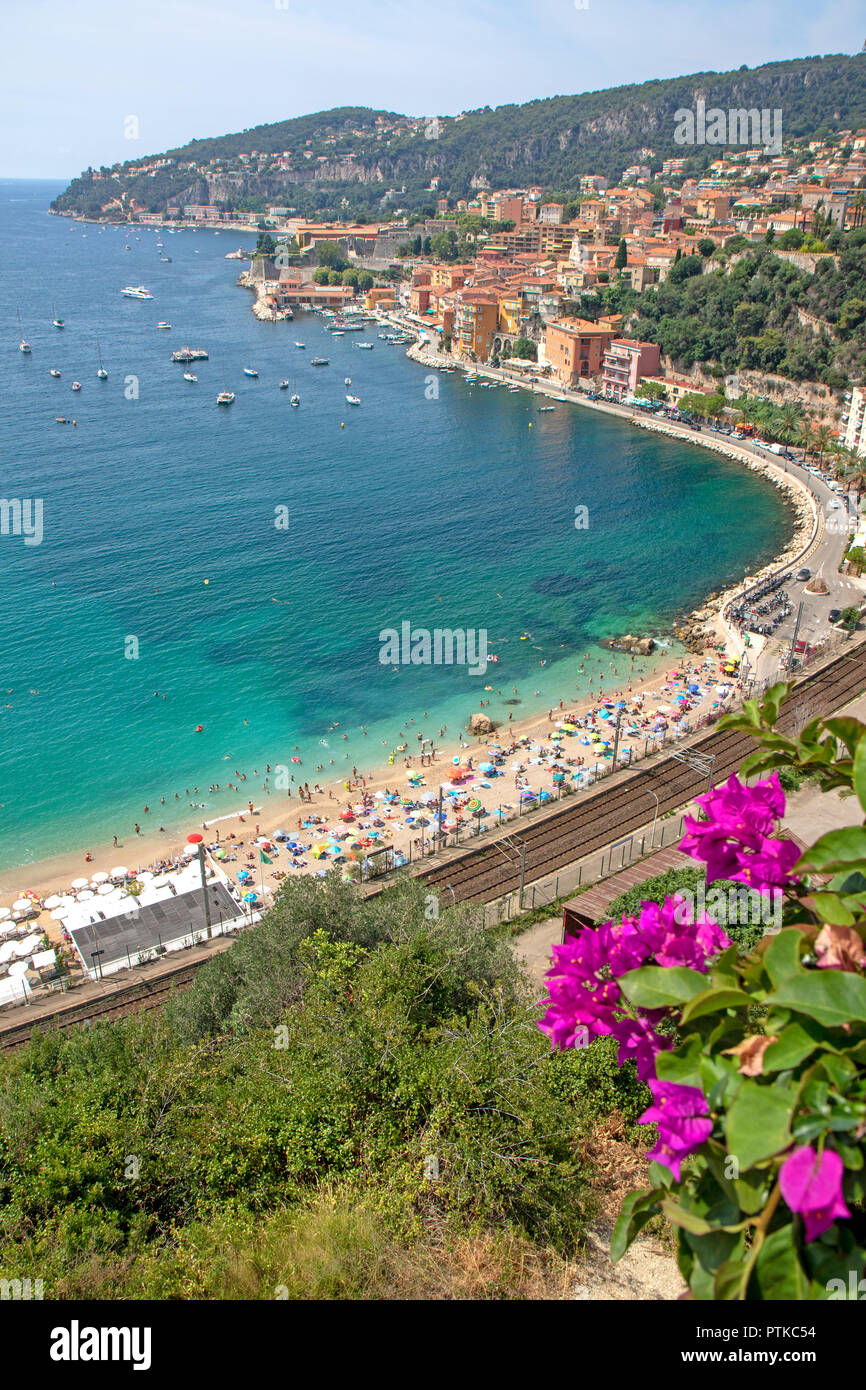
432, 841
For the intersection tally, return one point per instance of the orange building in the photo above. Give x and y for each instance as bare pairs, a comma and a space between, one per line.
575, 348
476, 320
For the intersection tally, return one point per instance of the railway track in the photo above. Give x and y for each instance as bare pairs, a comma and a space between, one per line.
557, 839
592, 822
142, 996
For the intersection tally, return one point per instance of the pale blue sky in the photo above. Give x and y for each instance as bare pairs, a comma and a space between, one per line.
73, 70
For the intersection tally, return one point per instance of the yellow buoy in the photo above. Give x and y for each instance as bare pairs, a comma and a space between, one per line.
207, 581
342, 424
530, 424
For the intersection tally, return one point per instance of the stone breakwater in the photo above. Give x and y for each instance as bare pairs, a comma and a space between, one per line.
706, 625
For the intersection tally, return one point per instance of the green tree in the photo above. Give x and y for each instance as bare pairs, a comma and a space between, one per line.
330, 255
621, 254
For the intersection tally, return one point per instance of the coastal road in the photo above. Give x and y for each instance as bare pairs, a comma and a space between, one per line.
592, 822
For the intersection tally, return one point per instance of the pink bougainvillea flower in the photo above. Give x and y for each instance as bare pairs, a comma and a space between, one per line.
683, 1118
811, 1184
735, 841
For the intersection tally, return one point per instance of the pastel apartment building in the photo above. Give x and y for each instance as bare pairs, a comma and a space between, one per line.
575, 348
626, 362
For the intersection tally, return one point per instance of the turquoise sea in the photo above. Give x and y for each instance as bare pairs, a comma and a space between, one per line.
447, 512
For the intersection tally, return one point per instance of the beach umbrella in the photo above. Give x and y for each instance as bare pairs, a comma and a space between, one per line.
220, 854
22, 904
18, 967
85, 895
80, 882
473, 804
119, 872
243, 875
251, 897
105, 888
347, 815
7, 912
61, 914
101, 877
146, 875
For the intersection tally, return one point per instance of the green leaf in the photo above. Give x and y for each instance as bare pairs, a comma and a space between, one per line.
778, 1274
836, 849
758, 1122
782, 956
752, 1189
830, 908
860, 771
792, 1046
849, 731
681, 1065
713, 999
637, 1209
655, 987
729, 1280
833, 997
688, 1220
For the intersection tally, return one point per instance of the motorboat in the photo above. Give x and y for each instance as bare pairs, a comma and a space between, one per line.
190, 376
53, 372
284, 386
136, 292
353, 400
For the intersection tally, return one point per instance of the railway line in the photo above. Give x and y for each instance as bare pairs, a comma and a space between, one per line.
545, 845
592, 822
142, 996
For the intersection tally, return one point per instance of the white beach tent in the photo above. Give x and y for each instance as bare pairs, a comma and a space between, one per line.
14, 989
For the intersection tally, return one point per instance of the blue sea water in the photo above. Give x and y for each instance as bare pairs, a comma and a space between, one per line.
445, 510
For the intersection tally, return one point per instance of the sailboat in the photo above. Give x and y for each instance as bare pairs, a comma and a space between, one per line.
250, 371
58, 323
23, 346
296, 400
101, 372
225, 396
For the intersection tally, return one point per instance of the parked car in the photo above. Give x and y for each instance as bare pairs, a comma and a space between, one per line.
834, 615
802, 575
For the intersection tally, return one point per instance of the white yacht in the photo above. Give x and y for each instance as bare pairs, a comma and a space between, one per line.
190, 376
296, 400
76, 385
353, 400
225, 397
136, 292
53, 371
163, 325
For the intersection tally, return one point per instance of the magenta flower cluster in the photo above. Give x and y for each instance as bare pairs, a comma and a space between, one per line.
584, 997
736, 840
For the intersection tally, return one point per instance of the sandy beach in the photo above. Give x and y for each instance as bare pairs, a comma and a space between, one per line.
528, 762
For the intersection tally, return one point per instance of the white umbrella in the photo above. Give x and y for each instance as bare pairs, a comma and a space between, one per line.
7, 950
145, 876
85, 894
105, 888
61, 914
119, 872
67, 899
4, 913
101, 877
53, 901
79, 882
22, 904
19, 967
